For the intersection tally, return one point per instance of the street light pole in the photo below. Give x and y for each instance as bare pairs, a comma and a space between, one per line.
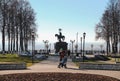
46, 45
92, 48
32, 46
76, 43
84, 34
72, 41
101, 46
81, 45
49, 47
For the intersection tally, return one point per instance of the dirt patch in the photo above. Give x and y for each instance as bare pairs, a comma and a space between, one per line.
55, 77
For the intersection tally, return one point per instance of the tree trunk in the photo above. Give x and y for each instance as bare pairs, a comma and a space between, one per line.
3, 31
109, 47
9, 40
11, 45
17, 39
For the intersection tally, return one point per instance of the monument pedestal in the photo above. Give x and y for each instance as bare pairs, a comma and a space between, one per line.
59, 45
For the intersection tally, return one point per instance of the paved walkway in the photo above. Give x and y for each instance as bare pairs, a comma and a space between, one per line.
50, 65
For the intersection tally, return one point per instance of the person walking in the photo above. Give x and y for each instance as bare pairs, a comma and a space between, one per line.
64, 60
61, 54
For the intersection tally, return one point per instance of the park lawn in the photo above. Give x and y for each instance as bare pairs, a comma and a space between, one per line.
90, 61
14, 58
113, 59
93, 62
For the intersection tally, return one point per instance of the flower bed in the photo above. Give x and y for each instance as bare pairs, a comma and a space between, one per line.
55, 77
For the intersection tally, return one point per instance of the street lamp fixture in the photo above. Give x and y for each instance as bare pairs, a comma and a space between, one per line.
84, 34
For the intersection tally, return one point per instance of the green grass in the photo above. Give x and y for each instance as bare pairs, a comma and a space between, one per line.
97, 62
113, 59
14, 58
90, 61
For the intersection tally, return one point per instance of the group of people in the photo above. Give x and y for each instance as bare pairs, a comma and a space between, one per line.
63, 58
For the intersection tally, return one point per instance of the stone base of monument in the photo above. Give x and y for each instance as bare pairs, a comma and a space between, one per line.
59, 45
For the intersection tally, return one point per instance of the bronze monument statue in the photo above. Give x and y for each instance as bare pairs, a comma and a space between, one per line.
60, 36
60, 44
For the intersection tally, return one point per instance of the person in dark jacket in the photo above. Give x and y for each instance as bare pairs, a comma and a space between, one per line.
61, 54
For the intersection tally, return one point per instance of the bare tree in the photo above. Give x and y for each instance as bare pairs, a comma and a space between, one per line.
16, 16
110, 26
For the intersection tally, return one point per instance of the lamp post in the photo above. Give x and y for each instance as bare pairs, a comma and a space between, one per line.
101, 46
81, 45
46, 45
69, 46
72, 41
92, 48
84, 34
33, 46
50, 48
76, 46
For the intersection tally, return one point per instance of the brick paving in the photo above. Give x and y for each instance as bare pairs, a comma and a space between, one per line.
50, 65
